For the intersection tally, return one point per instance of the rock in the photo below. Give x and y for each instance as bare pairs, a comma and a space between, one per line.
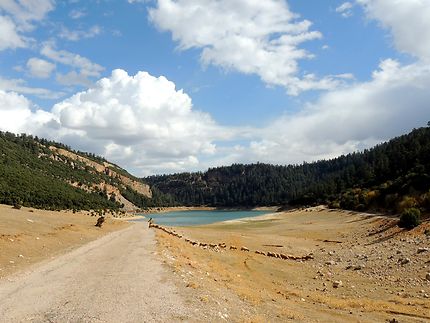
428, 276
337, 284
359, 267
421, 250
404, 261
330, 262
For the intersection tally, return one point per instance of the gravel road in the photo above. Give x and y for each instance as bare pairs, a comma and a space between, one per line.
117, 278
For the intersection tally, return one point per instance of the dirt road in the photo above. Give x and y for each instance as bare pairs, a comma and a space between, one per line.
114, 279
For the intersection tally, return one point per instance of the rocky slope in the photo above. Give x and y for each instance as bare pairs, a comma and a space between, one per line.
39, 173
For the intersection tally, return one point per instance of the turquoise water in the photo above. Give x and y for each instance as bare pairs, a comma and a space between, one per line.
189, 218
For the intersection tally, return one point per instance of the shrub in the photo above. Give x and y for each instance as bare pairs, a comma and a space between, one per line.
410, 218
408, 202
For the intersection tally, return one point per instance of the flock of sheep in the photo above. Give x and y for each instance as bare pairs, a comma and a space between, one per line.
219, 246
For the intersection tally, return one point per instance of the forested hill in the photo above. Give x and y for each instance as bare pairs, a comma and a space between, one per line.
44, 174
391, 176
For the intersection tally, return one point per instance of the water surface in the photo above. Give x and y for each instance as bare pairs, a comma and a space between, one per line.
189, 218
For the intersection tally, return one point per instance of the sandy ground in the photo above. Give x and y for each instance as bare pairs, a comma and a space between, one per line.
53, 270
28, 236
382, 268
116, 278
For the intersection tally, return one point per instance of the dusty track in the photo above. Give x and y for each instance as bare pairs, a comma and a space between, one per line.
114, 279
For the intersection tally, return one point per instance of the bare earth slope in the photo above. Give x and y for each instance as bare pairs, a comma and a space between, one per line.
114, 279
365, 269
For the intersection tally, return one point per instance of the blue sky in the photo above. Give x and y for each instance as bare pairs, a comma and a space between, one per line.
205, 83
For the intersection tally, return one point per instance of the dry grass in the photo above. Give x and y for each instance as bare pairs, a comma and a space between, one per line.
28, 236
268, 289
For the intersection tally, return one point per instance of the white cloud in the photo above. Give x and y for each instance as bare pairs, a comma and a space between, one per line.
249, 36
86, 67
73, 78
9, 37
75, 35
148, 126
40, 68
25, 12
141, 121
346, 120
408, 21
83, 68
345, 9
18, 17
19, 85
18, 115
77, 14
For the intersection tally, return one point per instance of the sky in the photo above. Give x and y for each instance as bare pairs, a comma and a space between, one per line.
167, 86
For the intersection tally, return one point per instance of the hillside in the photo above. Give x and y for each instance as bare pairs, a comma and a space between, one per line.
43, 174
389, 177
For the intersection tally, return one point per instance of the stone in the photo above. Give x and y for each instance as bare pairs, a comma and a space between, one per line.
337, 284
330, 262
428, 276
404, 261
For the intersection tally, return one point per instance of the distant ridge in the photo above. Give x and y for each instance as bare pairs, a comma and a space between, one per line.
389, 177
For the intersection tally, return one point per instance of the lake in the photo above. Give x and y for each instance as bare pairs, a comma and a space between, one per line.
189, 218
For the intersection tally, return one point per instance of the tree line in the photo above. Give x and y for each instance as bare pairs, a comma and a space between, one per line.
390, 177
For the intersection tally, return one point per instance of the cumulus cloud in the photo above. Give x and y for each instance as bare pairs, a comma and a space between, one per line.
18, 115
142, 122
252, 37
408, 22
142, 111
40, 68
148, 126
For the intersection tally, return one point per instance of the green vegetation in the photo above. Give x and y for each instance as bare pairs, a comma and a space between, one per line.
410, 218
143, 202
30, 175
392, 176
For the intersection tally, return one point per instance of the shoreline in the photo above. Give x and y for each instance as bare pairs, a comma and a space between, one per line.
203, 208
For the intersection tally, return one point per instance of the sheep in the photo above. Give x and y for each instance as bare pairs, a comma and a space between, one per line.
233, 248
244, 249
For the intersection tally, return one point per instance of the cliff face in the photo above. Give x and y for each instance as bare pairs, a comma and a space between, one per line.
112, 181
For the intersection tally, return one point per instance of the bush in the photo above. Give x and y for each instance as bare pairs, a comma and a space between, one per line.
410, 218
